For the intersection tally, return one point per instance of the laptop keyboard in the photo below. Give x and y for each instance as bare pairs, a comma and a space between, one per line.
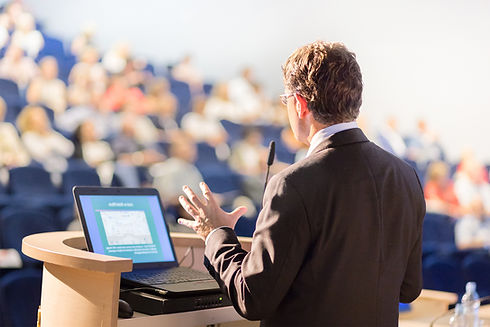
168, 276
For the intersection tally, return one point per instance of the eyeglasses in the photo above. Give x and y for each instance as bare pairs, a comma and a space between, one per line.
284, 98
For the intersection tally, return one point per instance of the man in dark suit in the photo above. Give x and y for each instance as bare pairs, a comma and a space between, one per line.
338, 241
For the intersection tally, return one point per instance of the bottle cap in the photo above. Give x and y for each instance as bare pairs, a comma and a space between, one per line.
470, 287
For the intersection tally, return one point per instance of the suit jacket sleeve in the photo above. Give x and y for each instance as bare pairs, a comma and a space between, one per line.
412, 282
258, 280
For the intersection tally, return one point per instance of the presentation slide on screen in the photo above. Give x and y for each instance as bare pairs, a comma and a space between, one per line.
126, 227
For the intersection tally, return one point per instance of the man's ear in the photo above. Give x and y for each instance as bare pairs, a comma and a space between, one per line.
301, 106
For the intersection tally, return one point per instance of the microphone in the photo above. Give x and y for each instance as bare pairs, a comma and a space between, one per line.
270, 161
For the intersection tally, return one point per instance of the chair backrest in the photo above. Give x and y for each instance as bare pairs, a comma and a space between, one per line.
9, 91
80, 177
235, 131
438, 228
16, 223
31, 181
443, 273
476, 268
182, 92
20, 296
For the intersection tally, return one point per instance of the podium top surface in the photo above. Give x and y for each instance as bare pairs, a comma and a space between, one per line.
66, 249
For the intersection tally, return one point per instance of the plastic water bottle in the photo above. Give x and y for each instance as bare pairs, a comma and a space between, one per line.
471, 305
457, 319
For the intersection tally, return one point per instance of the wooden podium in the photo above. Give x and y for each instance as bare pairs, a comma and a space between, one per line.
81, 288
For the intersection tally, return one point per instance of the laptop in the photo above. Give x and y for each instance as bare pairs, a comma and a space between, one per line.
129, 223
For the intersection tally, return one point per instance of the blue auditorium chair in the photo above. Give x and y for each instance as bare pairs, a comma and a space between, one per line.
31, 186
476, 268
235, 131
52, 47
207, 89
81, 177
10, 93
438, 233
4, 196
20, 297
16, 223
182, 92
443, 273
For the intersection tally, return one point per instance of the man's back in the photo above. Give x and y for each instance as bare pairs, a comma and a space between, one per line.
335, 238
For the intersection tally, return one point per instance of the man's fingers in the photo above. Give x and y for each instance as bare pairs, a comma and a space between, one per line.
188, 207
208, 195
238, 212
187, 223
192, 197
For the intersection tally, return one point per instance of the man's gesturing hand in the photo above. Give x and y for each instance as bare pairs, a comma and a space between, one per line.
206, 212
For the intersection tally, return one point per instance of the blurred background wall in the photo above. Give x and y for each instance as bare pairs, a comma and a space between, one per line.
420, 58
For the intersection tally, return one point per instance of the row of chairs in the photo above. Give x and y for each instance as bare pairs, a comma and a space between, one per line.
446, 268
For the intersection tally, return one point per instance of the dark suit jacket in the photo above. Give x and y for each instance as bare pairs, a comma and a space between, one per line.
337, 243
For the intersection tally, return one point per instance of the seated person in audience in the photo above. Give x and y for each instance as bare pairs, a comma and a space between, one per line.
439, 191
83, 40
11, 13
47, 89
26, 36
471, 182
12, 150
88, 75
243, 94
178, 170
186, 72
94, 151
473, 230
219, 106
160, 102
4, 32
130, 153
201, 128
115, 60
423, 145
390, 139
45, 145
10, 258
119, 93
17, 67
248, 157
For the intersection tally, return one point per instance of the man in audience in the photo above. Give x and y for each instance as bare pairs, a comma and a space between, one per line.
338, 241
12, 151
17, 67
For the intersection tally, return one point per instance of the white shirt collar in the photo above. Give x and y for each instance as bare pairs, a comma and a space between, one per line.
325, 133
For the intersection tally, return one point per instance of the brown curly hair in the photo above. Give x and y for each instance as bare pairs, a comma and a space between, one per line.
328, 77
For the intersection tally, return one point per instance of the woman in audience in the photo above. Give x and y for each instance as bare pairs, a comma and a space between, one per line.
17, 67
46, 146
12, 151
94, 151
473, 230
87, 76
439, 191
47, 89
26, 36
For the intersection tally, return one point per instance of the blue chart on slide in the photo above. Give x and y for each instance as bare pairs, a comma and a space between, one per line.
125, 226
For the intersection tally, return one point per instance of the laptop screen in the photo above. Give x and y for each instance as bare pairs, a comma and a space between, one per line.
128, 226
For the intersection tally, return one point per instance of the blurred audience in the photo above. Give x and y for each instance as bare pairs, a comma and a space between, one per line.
46, 89
186, 72
390, 139
439, 191
17, 67
12, 151
26, 36
45, 145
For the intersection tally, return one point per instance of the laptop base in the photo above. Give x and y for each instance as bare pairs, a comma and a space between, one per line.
151, 304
